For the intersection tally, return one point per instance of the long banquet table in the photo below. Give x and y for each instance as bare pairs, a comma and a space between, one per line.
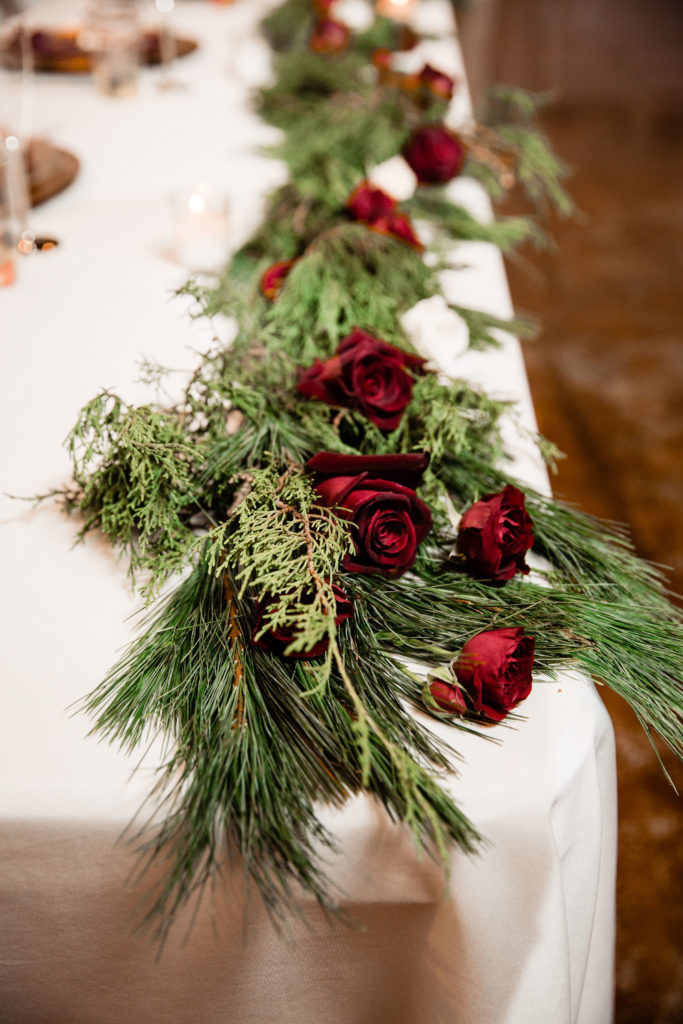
525, 932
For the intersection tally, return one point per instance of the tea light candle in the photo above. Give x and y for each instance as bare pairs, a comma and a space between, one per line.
397, 10
201, 229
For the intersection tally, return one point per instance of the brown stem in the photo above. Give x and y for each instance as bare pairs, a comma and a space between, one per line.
304, 520
482, 144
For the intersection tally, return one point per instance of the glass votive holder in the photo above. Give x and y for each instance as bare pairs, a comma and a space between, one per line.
201, 228
112, 37
7, 238
7, 263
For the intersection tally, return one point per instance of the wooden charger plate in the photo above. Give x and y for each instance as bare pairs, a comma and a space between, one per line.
49, 170
59, 50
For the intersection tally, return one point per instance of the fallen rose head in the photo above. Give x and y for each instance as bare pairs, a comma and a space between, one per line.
435, 154
495, 668
278, 639
496, 533
376, 493
329, 37
365, 374
274, 277
368, 203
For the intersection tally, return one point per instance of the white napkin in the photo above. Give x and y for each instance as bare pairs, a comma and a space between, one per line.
437, 332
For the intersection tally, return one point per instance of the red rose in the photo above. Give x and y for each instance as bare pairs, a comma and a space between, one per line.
368, 203
273, 278
449, 698
365, 374
399, 226
375, 493
496, 533
495, 669
435, 154
437, 82
277, 640
329, 37
375, 208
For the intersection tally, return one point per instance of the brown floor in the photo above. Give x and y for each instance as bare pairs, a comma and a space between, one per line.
607, 370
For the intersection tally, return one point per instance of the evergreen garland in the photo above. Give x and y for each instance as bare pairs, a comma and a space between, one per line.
258, 732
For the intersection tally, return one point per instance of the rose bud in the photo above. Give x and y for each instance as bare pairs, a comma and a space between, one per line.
437, 82
496, 533
279, 638
329, 37
273, 278
449, 698
368, 203
495, 669
435, 154
398, 226
365, 374
375, 493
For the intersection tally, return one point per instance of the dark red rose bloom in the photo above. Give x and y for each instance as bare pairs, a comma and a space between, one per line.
273, 278
435, 154
365, 374
496, 533
371, 206
437, 82
368, 203
495, 669
329, 37
449, 698
277, 640
323, 6
375, 493
399, 226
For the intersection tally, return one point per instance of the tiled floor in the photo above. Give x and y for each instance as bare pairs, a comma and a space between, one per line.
607, 370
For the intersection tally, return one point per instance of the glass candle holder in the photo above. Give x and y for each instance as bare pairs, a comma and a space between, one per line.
112, 37
201, 228
7, 238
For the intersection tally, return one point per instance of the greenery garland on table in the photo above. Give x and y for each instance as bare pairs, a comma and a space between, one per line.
338, 509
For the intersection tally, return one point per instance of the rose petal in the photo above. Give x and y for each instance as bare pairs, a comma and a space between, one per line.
406, 469
367, 202
449, 698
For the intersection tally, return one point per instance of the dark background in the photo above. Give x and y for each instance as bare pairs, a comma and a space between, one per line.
606, 371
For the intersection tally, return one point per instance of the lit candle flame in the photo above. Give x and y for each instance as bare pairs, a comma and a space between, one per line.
196, 203
399, 10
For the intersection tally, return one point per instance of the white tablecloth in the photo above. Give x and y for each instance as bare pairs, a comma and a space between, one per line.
526, 933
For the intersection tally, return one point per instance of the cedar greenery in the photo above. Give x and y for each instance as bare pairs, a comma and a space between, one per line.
216, 485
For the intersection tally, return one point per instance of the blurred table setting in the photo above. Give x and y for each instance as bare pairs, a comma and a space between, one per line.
140, 169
